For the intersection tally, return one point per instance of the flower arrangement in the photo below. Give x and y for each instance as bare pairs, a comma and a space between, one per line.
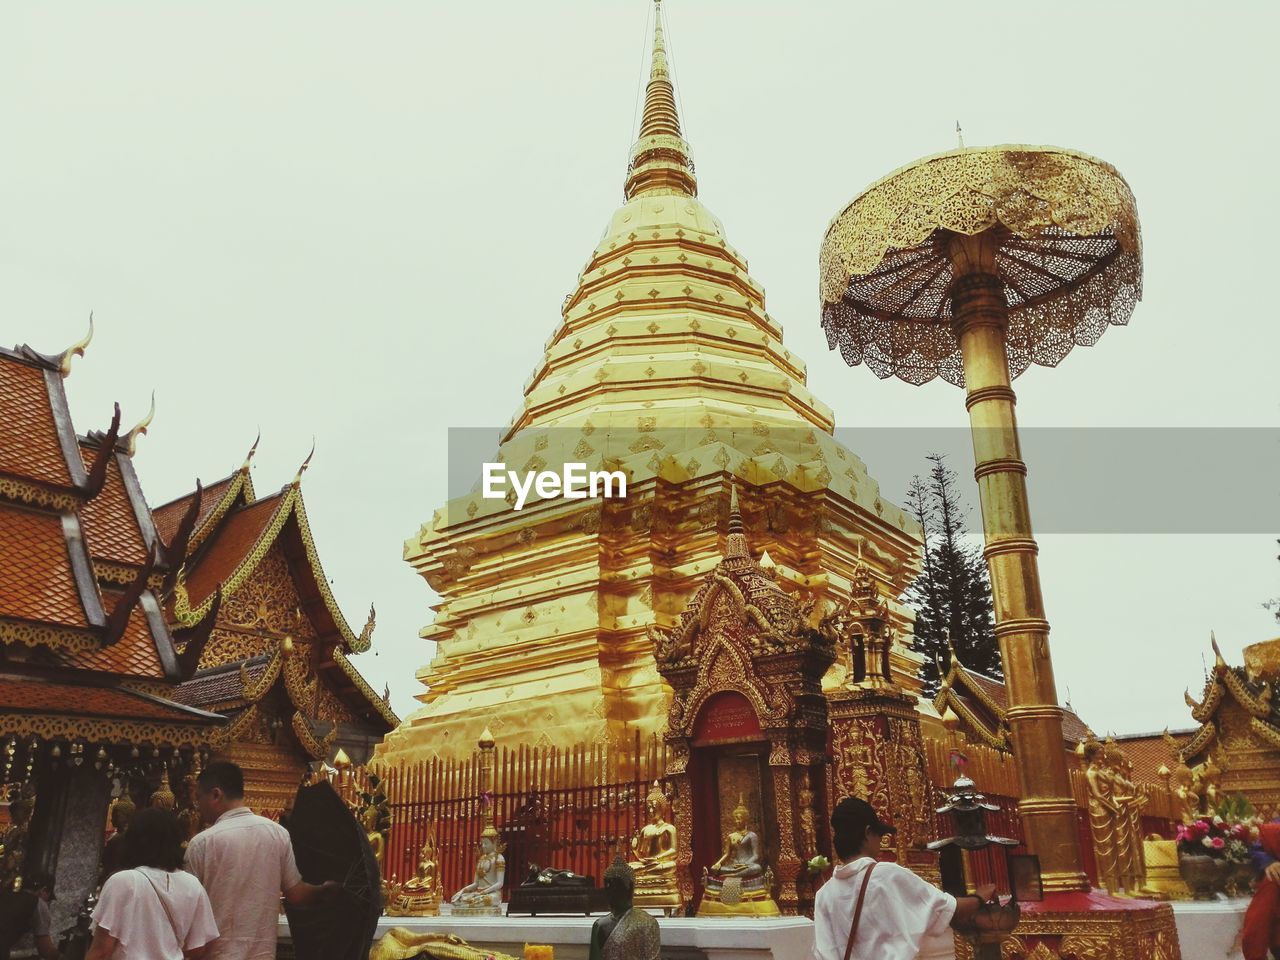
1206, 836
818, 864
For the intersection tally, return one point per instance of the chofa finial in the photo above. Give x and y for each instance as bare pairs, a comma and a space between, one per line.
140, 428
75, 350
297, 477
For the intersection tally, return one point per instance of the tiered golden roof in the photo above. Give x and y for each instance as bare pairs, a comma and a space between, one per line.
665, 365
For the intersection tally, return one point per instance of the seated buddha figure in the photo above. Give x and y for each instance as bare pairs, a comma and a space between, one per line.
484, 893
655, 849
739, 882
420, 896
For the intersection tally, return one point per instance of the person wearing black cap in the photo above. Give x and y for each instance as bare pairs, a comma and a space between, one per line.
881, 911
26, 911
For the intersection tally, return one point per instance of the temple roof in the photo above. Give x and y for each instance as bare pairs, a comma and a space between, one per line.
41, 445
981, 703
1226, 685
1151, 751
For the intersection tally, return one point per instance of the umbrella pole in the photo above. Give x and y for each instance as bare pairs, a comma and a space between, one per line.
980, 316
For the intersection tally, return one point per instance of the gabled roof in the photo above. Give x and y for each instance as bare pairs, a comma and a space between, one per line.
218, 498
981, 703
41, 445
1151, 751
117, 522
45, 574
1231, 685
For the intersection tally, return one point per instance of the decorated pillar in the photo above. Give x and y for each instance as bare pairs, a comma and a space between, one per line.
877, 750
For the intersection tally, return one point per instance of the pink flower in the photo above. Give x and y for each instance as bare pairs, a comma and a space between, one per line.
1218, 843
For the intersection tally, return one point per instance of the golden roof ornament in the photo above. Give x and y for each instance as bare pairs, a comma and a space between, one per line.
1063, 237
297, 477
252, 450
140, 428
75, 350
163, 796
660, 158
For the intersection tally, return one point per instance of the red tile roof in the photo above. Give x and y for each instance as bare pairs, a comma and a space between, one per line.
169, 517
1149, 752
32, 447
37, 695
37, 580
1073, 728
110, 524
221, 685
230, 545
134, 654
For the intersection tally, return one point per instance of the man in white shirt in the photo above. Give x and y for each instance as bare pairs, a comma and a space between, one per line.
902, 916
245, 863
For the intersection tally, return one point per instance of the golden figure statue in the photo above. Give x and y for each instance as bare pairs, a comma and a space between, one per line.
369, 818
1131, 801
655, 850
421, 895
13, 841
120, 812
739, 883
1104, 815
483, 895
400, 943
163, 796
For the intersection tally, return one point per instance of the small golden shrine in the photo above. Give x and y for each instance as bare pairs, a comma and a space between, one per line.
1236, 749
746, 731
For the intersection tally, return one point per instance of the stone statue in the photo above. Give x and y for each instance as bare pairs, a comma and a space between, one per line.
420, 896
484, 893
655, 849
739, 883
627, 933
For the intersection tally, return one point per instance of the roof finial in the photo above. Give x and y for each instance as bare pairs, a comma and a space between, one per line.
75, 350
297, 477
736, 541
959, 136
660, 158
131, 438
254, 449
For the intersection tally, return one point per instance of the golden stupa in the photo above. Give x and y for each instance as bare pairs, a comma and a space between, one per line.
665, 365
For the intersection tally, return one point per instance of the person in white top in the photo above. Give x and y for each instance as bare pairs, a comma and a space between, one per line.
901, 917
153, 911
245, 863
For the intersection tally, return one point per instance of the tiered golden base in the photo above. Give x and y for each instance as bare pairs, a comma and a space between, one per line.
1163, 876
735, 897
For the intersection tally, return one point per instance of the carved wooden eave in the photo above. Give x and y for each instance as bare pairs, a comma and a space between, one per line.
1227, 685
993, 734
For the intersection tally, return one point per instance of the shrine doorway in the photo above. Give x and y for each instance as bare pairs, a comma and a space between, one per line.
728, 765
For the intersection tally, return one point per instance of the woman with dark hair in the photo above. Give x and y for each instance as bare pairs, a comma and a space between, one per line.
155, 910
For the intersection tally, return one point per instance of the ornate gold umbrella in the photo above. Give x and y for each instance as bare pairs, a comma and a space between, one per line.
972, 265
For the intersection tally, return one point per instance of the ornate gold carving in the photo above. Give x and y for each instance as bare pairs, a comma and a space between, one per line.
42, 635
34, 494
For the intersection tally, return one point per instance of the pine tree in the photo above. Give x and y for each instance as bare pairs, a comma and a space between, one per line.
952, 595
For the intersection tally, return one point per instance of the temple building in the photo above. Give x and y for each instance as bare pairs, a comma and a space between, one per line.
135, 644
277, 661
1236, 747
666, 366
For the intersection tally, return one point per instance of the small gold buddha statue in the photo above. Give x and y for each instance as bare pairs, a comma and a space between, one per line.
369, 819
739, 883
655, 849
420, 896
483, 895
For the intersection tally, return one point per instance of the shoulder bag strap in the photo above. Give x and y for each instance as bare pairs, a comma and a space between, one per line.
857, 912
173, 926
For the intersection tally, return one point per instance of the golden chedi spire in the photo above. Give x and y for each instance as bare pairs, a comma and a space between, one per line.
660, 158
665, 365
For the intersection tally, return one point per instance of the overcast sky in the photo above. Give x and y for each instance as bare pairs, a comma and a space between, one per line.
358, 221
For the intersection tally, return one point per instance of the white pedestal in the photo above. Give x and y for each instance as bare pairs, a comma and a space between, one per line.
779, 938
1210, 929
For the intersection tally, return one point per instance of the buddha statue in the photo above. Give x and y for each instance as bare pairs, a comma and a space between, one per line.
370, 820
1103, 813
483, 895
654, 848
420, 896
627, 933
739, 883
120, 813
